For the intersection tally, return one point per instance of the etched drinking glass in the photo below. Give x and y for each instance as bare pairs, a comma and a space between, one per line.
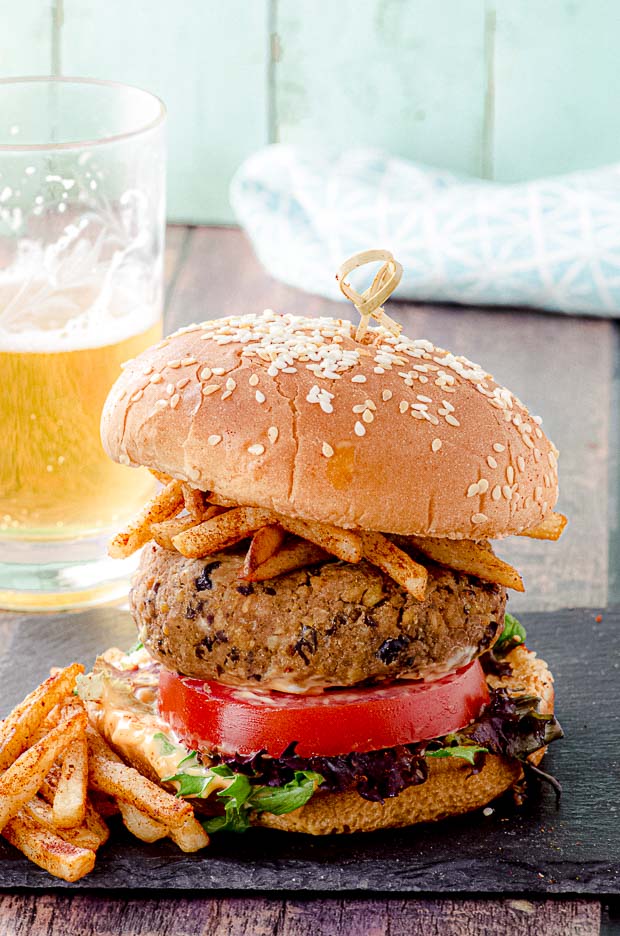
82, 208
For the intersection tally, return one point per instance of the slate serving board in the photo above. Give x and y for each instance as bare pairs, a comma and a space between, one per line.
535, 850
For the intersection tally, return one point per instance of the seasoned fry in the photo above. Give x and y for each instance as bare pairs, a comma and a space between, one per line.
191, 836
265, 543
82, 835
551, 528
141, 825
194, 501
221, 531
472, 558
69, 806
294, 555
18, 730
167, 503
164, 532
47, 850
108, 774
395, 563
345, 544
22, 779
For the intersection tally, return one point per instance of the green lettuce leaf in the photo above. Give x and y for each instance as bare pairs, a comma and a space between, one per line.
242, 799
164, 744
466, 751
512, 635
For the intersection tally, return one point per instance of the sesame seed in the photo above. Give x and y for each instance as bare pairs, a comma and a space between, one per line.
360, 429
186, 361
257, 449
327, 450
253, 381
521, 462
231, 384
483, 486
479, 518
194, 473
214, 439
507, 491
448, 406
124, 459
210, 388
172, 364
359, 378
218, 371
147, 369
379, 370
423, 379
367, 416
510, 474
137, 396
226, 394
260, 397
156, 378
496, 493
170, 389
491, 462
182, 383
498, 447
272, 434
205, 373
423, 399
436, 445
161, 403
452, 420
403, 406
472, 490
551, 459
538, 492
387, 395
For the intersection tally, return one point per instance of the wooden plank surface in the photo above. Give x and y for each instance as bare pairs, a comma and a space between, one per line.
207, 60
51, 915
384, 74
562, 369
555, 72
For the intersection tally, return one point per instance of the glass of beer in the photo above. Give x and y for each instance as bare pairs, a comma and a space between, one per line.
82, 215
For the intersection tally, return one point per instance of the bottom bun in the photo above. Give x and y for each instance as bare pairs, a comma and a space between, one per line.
451, 788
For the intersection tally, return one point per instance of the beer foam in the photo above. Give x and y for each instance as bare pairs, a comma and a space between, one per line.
53, 299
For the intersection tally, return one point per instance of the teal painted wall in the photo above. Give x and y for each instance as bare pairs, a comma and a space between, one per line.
505, 89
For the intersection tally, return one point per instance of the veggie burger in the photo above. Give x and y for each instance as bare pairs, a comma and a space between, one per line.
323, 641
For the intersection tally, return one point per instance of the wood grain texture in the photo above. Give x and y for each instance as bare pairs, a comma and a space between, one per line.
27, 38
555, 71
384, 73
207, 60
51, 915
562, 369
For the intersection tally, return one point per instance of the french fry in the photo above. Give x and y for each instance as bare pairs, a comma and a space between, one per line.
81, 835
551, 528
265, 543
292, 556
190, 837
395, 563
163, 533
221, 531
108, 774
220, 501
167, 503
97, 805
18, 730
47, 850
69, 806
141, 825
194, 501
345, 544
23, 778
472, 558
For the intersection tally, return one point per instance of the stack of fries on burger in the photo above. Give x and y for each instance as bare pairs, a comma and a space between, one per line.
323, 642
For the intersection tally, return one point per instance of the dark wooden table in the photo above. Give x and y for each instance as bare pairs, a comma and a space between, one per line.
567, 369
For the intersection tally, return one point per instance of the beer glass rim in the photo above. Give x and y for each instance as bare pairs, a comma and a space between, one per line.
87, 143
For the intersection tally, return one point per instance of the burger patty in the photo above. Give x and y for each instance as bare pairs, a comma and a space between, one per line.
333, 624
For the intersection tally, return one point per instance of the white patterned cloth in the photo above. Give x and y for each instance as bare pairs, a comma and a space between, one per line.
551, 244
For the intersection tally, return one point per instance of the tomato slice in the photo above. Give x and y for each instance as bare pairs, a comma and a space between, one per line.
210, 715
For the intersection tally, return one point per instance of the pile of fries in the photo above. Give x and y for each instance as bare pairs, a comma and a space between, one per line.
198, 523
59, 779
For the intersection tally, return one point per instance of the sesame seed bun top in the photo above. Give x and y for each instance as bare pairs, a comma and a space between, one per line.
293, 414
